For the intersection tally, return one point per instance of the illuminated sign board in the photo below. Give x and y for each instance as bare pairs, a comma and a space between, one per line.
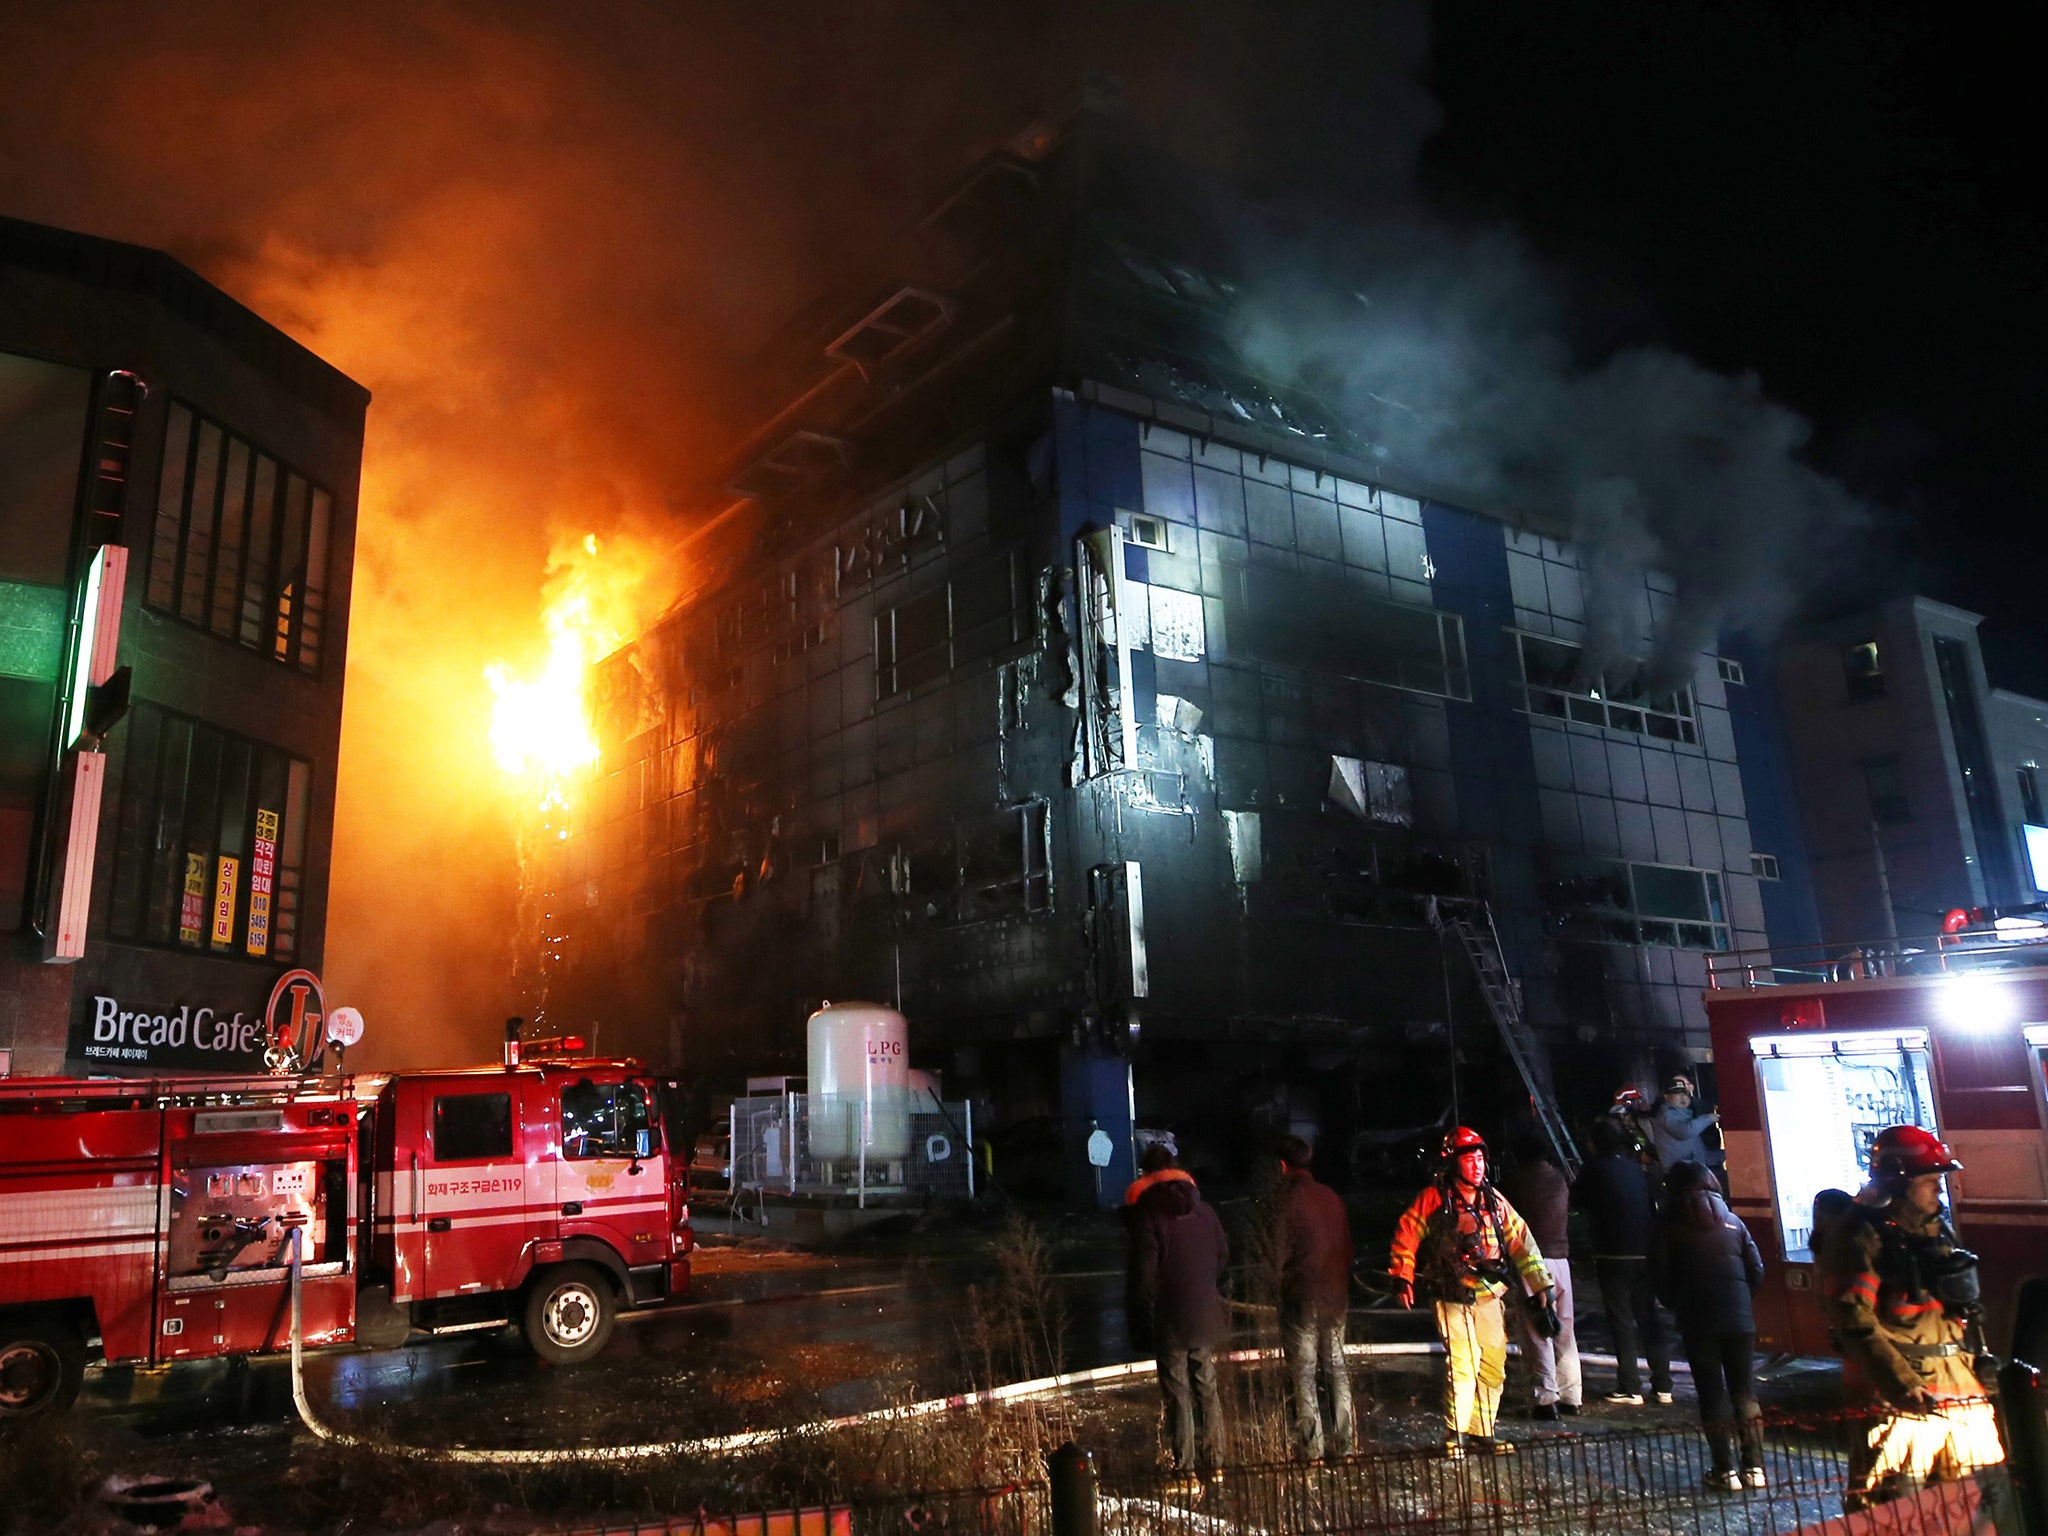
262, 874
2037, 854
224, 877
121, 1035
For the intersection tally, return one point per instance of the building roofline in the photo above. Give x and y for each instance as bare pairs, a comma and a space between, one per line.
2014, 696
1935, 606
150, 274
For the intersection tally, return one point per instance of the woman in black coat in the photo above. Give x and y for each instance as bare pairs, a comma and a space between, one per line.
1707, 1267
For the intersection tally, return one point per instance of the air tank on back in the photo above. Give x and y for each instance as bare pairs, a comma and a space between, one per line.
859, 1083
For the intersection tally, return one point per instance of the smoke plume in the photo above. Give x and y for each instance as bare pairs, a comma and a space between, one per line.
1448, 351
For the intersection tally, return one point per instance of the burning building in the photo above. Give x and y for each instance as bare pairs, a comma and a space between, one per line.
177, 512
1169, 748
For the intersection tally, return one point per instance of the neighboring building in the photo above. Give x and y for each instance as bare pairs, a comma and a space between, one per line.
1128, 718
2019, 756
1911, 770
145, 416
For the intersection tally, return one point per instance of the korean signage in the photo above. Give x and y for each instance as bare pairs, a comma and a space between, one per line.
262, 872
226, 869
192, 911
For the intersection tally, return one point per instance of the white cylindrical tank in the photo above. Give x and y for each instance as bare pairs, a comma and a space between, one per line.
859, 1083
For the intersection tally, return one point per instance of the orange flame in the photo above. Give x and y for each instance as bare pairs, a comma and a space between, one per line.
541, 731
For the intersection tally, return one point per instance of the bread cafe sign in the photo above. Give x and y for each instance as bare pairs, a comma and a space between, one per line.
121, 1036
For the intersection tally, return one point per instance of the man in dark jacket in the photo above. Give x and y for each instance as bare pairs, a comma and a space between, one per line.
1707, 1268
1178, 1254
1315, 1295
1615, 1192
1537, 1188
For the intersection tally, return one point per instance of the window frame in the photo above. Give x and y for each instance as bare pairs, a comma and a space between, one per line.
502, 1097
1731, 671
1596, 706
1765, 866
1633, 924
160, 831
899, 673
275, 603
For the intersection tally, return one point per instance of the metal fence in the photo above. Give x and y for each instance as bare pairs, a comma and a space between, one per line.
1644, 1481
773, 1152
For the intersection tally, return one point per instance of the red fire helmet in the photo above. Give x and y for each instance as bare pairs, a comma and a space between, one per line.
1907, 1152
1628, 1099
1462, 1140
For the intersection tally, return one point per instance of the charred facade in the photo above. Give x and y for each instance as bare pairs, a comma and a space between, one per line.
1137, 724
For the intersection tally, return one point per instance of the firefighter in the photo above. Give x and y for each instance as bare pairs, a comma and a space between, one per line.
1461, 1245
1905, 1313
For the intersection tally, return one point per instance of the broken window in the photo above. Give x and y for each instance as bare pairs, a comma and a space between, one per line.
1554, 684
975, 614
1616, 902
1862, 672
1372, 791
1332, 628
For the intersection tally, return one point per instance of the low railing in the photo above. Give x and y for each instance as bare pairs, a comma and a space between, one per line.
1807, 965
1637, 1481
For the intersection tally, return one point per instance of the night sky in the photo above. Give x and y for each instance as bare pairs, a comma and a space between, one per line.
1844, 198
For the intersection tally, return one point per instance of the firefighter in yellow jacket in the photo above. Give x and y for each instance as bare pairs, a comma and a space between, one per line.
1904, 1308
1463, 1246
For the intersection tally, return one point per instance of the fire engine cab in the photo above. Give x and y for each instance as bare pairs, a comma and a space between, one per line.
1815, 1054
156, 1216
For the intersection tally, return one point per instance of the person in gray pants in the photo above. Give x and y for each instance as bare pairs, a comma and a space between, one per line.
1537, 1188
1315, 1294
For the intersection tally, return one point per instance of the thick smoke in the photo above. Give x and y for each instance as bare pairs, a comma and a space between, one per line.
550, 239
1447, 351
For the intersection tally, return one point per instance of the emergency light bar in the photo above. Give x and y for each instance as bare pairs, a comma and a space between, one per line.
1860, 1043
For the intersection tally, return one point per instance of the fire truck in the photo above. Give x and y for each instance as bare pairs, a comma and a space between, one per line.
158, 1216
1815, 1053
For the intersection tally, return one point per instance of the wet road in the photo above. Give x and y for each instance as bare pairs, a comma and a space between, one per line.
748, 1347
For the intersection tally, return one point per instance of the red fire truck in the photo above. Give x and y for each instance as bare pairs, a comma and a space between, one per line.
156, 1215
1814, 1054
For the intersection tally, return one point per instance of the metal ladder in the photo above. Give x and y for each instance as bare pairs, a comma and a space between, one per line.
1481, 943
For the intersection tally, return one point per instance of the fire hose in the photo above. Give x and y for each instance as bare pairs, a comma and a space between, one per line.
755, 1439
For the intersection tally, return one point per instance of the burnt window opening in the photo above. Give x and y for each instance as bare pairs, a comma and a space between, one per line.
1862, 672
472, 1127
1554, 684
1378, 792
974, 615
210, 841
1764, 866
1331, 629
240, 543
1886, 791
1614, 901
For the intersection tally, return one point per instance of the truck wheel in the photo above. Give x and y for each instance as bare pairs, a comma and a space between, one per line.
42, 1362
570, 1310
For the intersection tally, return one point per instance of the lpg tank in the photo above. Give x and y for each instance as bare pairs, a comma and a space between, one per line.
859, 1078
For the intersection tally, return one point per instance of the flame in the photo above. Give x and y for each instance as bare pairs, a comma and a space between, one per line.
541, 732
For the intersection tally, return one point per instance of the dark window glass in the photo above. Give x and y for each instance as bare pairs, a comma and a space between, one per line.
240, 542
256, 566
172, 493
607, 1120
472, 1127
210, 839
1609, 901
2030, 795
197, 537
975, 614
